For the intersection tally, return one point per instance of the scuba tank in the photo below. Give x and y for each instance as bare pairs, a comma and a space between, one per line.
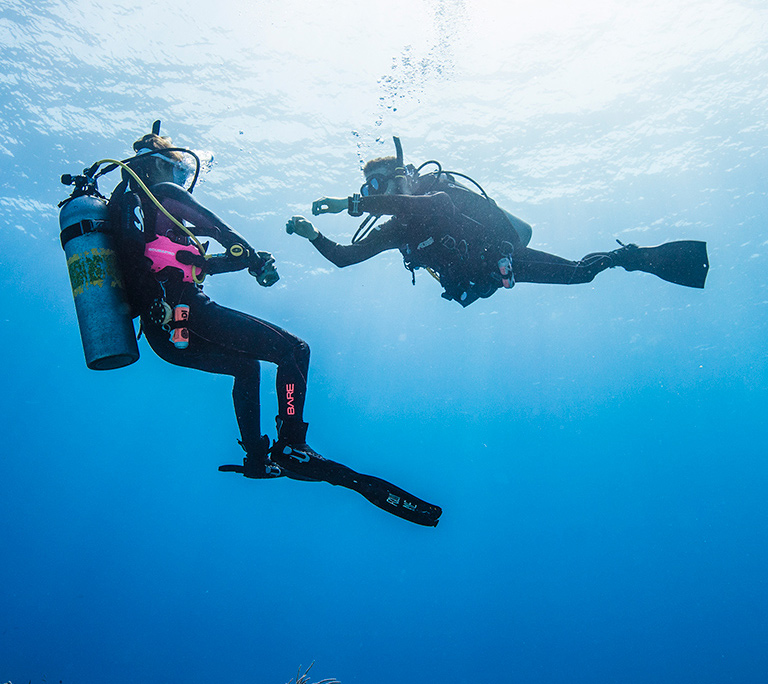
103, 314
89, 242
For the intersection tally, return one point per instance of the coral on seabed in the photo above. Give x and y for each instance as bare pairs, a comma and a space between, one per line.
300, 678
304, 678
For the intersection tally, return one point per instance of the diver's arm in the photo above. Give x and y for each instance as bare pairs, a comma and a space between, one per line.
384, 237
436, 204
390, 235
346, 255
204, 223
224, 263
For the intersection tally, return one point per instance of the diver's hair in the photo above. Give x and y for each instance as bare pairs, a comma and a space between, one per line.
157, 142
389, 163
144, 166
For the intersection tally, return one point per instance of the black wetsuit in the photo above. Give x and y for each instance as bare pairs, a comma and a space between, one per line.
461, 236
232, 343
221, 340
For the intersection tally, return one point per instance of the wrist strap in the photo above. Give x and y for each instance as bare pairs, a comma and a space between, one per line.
354, 205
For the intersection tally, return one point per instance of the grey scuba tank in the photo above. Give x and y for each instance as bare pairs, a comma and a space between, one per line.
103, 314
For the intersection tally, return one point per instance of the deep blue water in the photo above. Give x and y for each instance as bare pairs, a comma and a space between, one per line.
599, 450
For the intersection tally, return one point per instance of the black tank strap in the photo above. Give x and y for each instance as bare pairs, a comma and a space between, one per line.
80, 228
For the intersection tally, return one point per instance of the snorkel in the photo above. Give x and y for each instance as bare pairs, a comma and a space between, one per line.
400, 171
400, 175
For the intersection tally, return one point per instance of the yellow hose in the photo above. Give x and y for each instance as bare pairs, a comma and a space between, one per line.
156, 202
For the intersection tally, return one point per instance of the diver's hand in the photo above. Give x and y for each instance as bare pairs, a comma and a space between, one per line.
329, 205
302, 227
263, 269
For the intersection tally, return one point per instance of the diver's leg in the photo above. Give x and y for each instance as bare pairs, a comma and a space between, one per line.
226, 342
533, 266
201, 354
245, 397
240, 334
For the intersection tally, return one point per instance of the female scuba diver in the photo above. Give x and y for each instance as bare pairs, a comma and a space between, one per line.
156, 225
466, 241
163, 268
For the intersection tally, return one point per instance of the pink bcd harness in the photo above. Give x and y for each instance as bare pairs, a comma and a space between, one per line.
162, 253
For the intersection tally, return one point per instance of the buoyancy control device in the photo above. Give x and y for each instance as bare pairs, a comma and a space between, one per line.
477, 255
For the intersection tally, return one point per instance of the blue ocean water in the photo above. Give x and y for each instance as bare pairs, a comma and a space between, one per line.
599, 450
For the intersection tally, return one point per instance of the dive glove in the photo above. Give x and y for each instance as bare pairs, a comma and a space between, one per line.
262, 267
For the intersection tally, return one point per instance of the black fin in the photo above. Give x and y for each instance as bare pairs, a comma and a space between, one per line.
395, 500
381, 493
684, 262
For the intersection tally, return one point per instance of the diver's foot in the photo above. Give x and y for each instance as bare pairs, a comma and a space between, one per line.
264, 470
298, 461
256, 465
630, 257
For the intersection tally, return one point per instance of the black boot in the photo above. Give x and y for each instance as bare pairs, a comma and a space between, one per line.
295, 457
629, 257
256, 464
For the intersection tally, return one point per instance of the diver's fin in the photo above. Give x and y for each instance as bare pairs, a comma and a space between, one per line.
394, 500
684, 262
307, 465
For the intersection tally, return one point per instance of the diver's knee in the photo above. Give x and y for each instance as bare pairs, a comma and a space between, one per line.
301, 352
251, 369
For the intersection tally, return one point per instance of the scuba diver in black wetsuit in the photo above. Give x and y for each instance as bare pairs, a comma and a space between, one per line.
466, 241
163, 268
157, 225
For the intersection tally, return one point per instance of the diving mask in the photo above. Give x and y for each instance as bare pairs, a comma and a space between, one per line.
184, 170
375, 185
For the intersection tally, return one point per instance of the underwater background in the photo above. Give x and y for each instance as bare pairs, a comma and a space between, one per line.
599, 450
